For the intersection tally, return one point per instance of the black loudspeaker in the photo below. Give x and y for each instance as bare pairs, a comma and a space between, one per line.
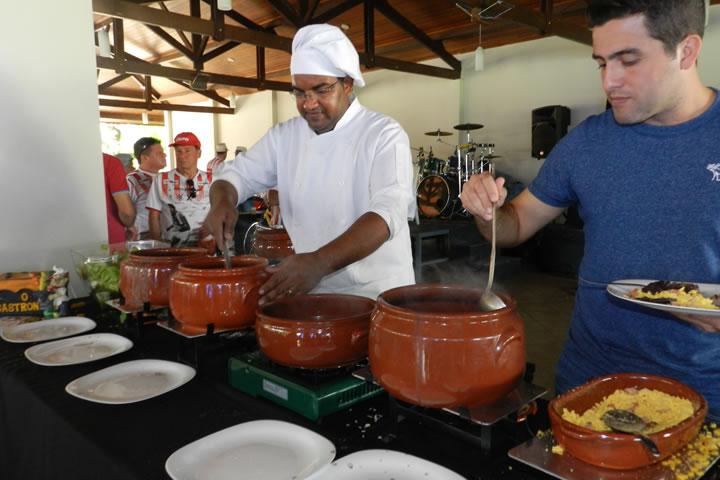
549, 124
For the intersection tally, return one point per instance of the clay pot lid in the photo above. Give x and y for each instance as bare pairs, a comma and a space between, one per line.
430, 301
318, 308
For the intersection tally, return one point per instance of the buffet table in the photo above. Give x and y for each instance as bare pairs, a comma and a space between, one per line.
45, 433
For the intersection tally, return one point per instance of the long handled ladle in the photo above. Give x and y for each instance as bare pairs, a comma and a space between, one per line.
625, 421
489, 301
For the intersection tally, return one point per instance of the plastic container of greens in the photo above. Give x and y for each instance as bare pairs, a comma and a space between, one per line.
100, 270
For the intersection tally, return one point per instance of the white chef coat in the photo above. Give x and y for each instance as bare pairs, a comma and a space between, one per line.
326, 182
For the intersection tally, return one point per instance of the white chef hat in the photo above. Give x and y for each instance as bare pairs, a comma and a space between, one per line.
324, 50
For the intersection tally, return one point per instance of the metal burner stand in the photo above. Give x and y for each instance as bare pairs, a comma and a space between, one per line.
475, 424
194, 347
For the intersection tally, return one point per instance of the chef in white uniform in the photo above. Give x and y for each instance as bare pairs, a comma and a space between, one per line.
345, 179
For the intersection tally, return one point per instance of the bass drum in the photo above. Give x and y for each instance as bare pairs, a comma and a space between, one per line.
437, 196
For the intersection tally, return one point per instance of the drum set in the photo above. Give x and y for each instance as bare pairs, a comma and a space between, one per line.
440, 181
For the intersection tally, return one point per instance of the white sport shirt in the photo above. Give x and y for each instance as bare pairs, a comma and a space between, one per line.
326, 182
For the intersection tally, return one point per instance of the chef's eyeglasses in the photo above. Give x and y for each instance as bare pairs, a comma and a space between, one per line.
190, 188
321, 91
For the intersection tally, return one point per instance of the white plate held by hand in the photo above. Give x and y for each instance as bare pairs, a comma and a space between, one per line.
621, 291
384, 464
131, 381
46, 329
81, 349
257, 450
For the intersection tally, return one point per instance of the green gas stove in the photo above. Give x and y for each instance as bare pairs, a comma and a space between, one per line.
311, 393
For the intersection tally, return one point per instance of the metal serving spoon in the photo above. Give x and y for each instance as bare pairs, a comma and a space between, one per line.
625, 421
226, 255
489, 301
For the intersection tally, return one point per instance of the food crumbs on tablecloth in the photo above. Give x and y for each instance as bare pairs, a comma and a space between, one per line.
558, 449
691, 462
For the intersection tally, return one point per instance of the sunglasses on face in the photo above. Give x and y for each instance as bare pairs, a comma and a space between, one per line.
190, 188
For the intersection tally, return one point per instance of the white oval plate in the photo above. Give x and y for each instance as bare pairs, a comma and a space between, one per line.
46, 329
257, 450
384, 464
81, 349
131, 382
623, 293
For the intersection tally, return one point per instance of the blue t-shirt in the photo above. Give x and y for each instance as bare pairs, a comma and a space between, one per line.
650, 200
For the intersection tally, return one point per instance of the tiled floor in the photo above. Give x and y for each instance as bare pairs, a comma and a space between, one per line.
545, 302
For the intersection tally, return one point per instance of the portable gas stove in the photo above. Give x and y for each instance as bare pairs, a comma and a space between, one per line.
477, 425
312, 393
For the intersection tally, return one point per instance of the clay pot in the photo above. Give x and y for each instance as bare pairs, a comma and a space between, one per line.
315, 331
618, 450
432, 346
145, 274
203, 291
272, 243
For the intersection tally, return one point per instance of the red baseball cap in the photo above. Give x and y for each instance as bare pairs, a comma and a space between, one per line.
184, 139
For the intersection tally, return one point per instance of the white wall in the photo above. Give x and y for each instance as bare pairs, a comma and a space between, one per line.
51, 189
253, 117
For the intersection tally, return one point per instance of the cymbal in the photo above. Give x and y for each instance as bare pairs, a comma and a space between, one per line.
438, 133
468, 126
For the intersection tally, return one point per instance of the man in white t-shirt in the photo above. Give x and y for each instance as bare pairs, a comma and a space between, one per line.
179, 199
151, 159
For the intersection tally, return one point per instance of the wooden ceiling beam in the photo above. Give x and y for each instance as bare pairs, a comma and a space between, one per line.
312, 6
153, 16
339, 9
241, 19
537, 20
211, 94
369, 24
112, 81
410, 67
106, 102
129, 117
287, 12
118, 44
217, 51
180, 33
143, 68
141, 82
436, 47
171, 40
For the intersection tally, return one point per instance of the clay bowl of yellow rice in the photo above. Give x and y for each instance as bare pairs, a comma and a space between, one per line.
675, 412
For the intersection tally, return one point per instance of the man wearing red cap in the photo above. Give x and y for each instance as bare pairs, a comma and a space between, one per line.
178, 200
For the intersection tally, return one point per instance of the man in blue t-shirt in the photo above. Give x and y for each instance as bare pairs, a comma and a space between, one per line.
645, 178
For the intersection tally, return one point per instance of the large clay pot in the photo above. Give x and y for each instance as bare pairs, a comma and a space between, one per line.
315, 331
203, 291
145, 274
272, 243
432, 346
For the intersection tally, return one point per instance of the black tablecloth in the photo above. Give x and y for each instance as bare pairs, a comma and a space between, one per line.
46, 433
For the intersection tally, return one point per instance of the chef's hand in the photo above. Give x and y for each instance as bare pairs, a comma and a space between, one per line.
481, 192
295, 275
220, 221
705, 323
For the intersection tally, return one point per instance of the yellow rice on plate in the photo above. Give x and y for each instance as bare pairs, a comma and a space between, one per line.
679, 297
658, 408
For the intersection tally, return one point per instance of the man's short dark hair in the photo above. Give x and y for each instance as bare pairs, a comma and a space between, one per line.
669, 21
143, 144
